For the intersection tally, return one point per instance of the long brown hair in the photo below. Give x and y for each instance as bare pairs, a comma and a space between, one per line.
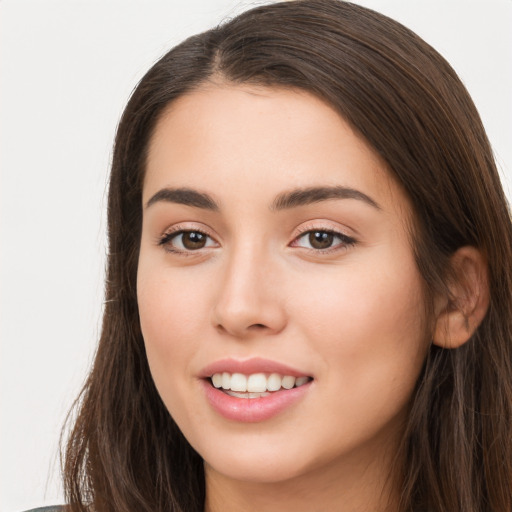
125, 453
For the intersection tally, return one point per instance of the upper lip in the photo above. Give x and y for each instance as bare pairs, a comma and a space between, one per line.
250, 366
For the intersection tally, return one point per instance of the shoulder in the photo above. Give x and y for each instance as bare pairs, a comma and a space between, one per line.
58, 508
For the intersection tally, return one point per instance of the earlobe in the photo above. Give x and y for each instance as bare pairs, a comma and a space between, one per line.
461, 314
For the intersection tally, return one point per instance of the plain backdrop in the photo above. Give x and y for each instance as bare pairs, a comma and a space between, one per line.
67, 69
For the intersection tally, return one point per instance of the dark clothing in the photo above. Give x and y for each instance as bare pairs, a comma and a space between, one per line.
58, 508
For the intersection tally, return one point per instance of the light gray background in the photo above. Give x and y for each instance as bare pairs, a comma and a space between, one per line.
67, 69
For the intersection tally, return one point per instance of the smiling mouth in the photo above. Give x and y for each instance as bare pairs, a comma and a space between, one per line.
255, 385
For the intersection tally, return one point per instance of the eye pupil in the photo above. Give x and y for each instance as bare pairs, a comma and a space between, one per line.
193, 240
321, 239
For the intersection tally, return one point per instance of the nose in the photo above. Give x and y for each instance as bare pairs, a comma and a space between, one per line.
249, 301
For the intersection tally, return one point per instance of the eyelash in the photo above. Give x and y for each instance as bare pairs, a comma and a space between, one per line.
345, 240
166, 239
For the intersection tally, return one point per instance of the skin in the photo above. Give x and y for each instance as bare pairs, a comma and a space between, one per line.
352, 316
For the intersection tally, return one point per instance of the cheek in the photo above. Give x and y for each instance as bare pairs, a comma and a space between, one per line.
171, 318
368, 323
368, 328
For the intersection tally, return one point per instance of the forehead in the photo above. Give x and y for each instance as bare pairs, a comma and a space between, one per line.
239, 140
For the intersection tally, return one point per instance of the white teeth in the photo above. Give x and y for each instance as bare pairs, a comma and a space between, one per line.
217, 380
238, 382
256, 384
246, 395
274, 382
299, 381
288, 382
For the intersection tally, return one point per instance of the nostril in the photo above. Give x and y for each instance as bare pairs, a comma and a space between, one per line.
257, 326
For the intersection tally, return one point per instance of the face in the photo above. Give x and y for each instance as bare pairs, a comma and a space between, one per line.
276, 257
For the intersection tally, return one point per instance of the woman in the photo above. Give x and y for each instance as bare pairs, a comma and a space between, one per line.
309, 281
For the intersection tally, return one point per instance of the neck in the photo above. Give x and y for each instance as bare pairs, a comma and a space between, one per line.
358, 484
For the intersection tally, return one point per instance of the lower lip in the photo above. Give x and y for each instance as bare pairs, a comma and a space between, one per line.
253, 410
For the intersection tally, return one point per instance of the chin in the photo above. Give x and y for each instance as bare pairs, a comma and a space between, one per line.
261, 459
257, 470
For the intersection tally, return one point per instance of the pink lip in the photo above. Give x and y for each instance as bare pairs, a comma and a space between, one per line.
251, 410
249, 366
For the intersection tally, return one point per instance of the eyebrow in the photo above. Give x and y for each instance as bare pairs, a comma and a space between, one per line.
186, 196
286, 200
305, 196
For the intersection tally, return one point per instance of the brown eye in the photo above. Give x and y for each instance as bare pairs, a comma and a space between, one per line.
320, 239
323, 240
186, 241
192, 240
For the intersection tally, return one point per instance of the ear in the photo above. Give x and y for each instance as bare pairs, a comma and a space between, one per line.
459, 315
